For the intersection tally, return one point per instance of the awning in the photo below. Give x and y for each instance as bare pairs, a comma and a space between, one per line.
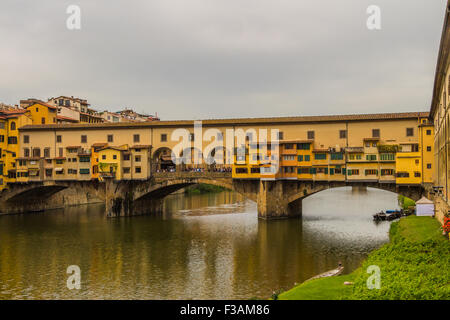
59, 169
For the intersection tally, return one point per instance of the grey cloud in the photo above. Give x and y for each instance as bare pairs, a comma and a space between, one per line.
210, 59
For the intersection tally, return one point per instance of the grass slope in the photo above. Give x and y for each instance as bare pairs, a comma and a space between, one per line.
414, 265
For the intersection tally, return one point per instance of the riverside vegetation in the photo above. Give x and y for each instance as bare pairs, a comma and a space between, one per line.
203, 188
414, 265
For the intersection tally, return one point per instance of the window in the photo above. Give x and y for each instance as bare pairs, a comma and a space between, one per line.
387, 172
303, 146
114, 156
48, 172
136, 138
371, 172
164, 137
110, 138
402, 174
371, 157
84, 171
428, 165
104, 157
83, 139
47, 153
375, 133
342, 134
280, 135
137, 170
289, 146
191, 137
337, 156
289, 169
26, 152
254, 170
354, 172
26, 139
137, 158
75, 159
126, 157
417, 162
61, 152
428, 148
241, 170
303, 170
387, 156
2, 138
289, 158
300, 158
13, 125
126, 170
320, 156
351, 157
2, 125
310, 135
417, 174
83, 159
58, 139
12, 140
428, 132
409, 132
59, 161
307, 157
43, 120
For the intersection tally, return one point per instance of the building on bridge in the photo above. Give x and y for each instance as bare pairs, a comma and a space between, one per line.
382, 148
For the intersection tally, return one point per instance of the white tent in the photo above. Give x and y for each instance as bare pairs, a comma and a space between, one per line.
424, 207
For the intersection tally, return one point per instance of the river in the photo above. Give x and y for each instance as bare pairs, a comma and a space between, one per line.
208, 246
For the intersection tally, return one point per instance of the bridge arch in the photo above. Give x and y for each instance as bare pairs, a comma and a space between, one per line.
164, 188
162, 159
294, 200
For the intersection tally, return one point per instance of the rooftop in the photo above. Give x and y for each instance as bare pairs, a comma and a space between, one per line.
235, 121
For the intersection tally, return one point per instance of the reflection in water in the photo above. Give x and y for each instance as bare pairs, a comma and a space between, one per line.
203, 247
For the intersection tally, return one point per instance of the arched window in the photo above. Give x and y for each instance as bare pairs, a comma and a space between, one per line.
13, 126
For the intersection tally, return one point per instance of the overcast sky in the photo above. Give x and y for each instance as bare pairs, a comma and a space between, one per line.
200, 59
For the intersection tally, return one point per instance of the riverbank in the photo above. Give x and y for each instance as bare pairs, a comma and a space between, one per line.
413, 265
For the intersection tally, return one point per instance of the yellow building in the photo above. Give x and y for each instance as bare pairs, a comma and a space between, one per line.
10, 122
42, 113
110, 161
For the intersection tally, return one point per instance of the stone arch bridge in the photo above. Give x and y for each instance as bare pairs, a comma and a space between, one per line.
275, 199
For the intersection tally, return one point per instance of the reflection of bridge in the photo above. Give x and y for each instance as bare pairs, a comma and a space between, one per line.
275, 199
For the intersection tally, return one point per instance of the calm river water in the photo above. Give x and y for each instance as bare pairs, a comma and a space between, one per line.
209, 246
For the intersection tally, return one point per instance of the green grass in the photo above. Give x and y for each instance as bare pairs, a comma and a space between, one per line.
414, 265
330, 288
416, 229
405, 202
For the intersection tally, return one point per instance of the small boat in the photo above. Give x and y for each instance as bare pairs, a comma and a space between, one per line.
389, 215
330, 273
380, 216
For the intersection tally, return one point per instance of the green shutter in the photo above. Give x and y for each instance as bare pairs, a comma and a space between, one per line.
331, 171
349, 172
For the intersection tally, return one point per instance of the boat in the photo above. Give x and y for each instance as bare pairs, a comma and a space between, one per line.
389, 215
380, 216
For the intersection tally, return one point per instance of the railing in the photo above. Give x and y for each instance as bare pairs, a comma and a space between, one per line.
192, 174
